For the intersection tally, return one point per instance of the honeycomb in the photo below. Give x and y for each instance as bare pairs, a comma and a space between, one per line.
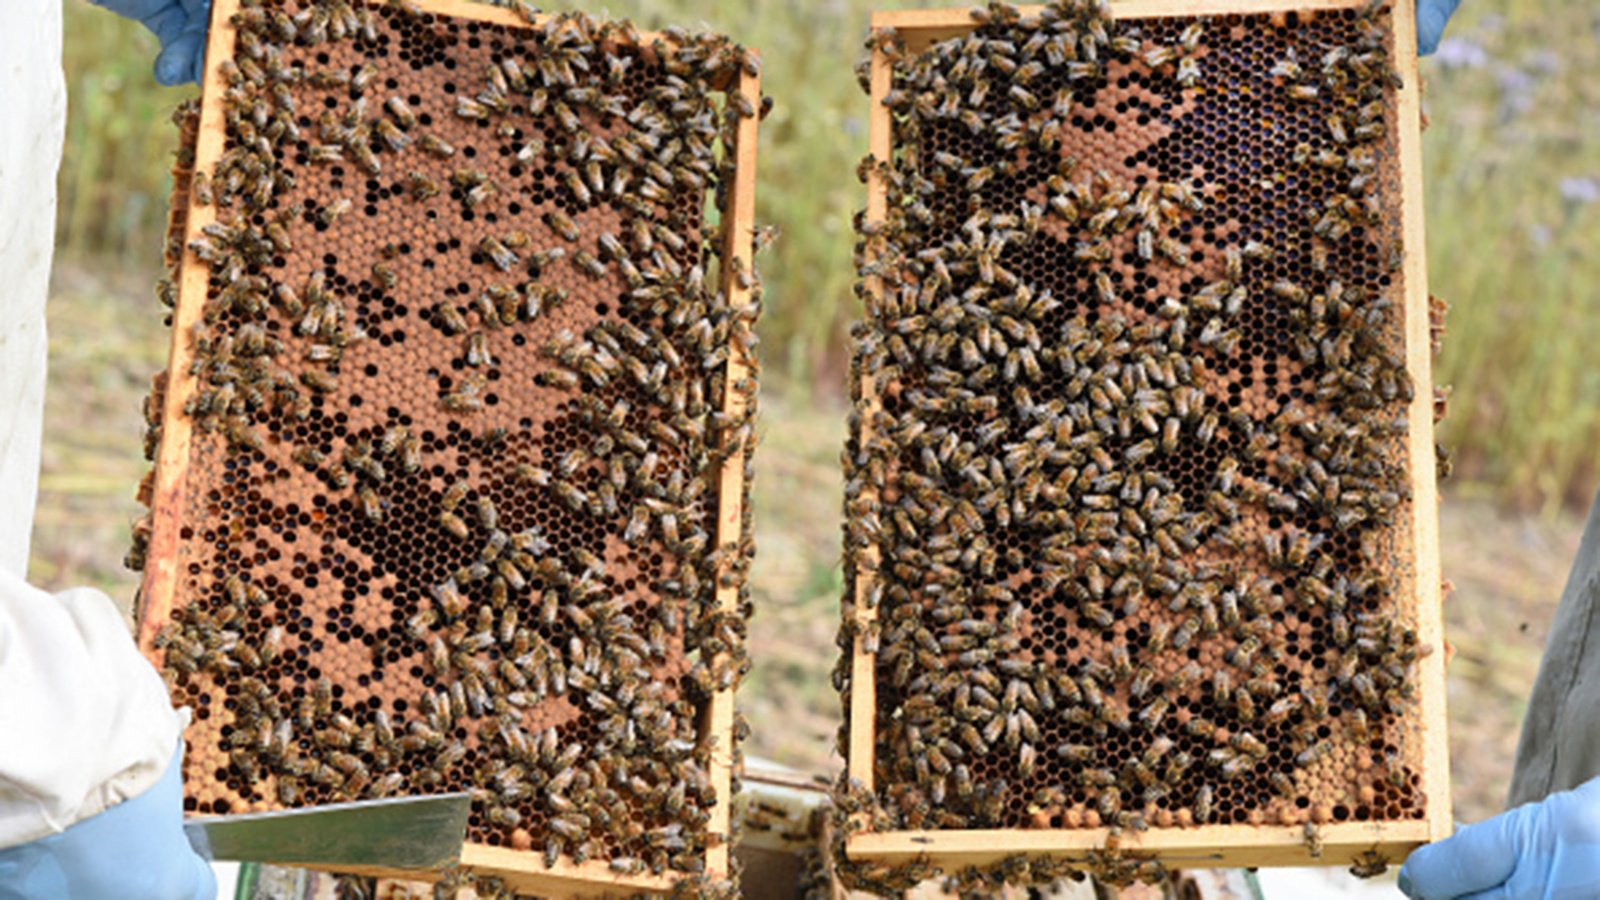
473, 352
1128, 490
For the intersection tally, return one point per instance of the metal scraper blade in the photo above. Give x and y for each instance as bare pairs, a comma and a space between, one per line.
396, 833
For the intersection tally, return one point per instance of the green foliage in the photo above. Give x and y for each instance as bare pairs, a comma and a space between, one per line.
1513, 165
1513, 119
114, 170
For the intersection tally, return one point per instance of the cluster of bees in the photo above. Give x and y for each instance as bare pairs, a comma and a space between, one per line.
1127, 473
513, 583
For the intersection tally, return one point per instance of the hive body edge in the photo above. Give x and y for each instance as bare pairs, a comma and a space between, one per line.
159, 585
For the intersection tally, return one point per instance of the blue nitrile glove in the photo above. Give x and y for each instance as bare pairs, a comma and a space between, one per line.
180, 26
1549, 849
1432, 16
133, 851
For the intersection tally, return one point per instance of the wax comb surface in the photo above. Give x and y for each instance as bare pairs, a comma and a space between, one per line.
450, 492
1138, 527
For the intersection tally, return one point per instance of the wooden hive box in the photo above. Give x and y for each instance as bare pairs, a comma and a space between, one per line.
1143, 421
451, 457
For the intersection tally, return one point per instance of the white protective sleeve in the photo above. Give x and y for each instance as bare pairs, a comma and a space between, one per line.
33, 110
85, 722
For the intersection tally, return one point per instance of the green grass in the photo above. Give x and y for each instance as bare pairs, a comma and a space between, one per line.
114, 170
104, 346
1512, 254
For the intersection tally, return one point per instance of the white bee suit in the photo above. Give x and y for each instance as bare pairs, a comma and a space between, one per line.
85, 722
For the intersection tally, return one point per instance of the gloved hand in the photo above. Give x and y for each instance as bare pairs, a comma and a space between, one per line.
133, 851
1432, 16
180, 26
1549, 849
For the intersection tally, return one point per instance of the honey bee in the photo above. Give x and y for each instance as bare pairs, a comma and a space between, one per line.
453, 525
478, 195
1369, 864
590, 265
322, 696
478, 350
498, 254
1248, 744
504, 816
325, 153
1356, 722
1188, 75
562, 224
333, 211
1281, 709
580, 191
488, 517
1312, 753
1369, 131
392, 136
319, 381
436, 147
451, 755
371, 505
1203, 804
420, 186
401, 111
454, 495
465, 399
200, 188
557, 378
473, 109
1341, 135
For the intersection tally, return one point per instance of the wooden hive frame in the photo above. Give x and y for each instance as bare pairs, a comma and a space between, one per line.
159, 590
1216, 844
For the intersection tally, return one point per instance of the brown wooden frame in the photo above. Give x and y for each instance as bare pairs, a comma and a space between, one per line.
1209, 845
522, 871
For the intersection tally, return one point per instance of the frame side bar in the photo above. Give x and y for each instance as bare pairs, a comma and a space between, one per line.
161, 575
863, 674
1425, 488
738, 241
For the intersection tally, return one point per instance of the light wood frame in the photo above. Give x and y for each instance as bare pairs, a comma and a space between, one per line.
1209, 845
522, 871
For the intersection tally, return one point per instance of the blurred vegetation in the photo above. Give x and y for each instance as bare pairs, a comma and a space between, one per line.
1513, 180
115, 167
1513, 165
